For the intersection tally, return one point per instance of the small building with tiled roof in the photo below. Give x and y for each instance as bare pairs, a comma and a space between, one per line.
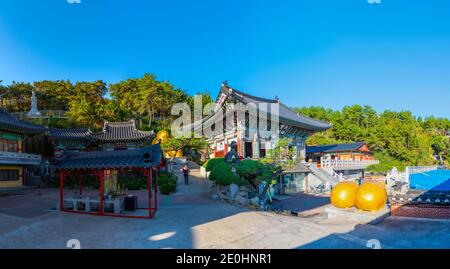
349, 151
121, 135
69, 140
15, 160
141, 158
105, 167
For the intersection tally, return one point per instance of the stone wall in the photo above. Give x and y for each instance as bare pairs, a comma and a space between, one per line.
233, 194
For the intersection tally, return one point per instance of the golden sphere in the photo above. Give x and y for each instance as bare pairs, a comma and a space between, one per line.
343, 194
371, 196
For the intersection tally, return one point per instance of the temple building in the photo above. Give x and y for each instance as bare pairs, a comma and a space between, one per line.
16, 160
114, 136
358, 151
69, 140
250, 144
121, 136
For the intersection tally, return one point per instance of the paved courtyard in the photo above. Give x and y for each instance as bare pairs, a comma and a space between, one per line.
189, 219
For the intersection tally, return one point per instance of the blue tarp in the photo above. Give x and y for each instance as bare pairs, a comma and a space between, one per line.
438, 180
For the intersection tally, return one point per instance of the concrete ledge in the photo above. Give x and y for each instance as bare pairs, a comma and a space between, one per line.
16, 190
358, 215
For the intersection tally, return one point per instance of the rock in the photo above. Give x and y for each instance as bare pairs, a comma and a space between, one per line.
243, 194
233, 191
215, 197
255, 201
241, 200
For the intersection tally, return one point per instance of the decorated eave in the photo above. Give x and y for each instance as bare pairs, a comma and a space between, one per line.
9, 123
121, 132
286, 115
147, 157
70, 135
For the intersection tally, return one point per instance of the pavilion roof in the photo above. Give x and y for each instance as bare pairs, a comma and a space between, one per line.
335, 147
286, 114
81, 134
122, 132
146, 157
10, 123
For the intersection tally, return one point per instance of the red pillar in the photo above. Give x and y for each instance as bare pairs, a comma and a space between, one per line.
61, 181
156, 189
101, 191
149, 189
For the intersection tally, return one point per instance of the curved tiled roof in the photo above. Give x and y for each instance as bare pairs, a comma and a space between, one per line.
122, 132
82, 134
335, 147
9, 123
286, 114
146, 157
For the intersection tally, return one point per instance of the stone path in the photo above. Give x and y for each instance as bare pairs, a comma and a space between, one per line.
189, 219
197, 183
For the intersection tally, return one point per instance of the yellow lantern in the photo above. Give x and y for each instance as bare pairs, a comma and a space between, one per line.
343, 194
371, 196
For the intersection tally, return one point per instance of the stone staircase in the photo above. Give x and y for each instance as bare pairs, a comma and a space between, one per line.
323, 175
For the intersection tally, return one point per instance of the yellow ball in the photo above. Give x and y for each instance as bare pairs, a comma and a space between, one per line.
343, 194
371, 196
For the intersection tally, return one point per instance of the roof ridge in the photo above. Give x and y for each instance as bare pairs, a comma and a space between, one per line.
302, 115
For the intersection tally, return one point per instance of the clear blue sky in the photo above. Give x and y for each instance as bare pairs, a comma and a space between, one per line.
394, 55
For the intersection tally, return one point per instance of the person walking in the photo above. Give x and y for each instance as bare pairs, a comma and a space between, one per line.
185, 170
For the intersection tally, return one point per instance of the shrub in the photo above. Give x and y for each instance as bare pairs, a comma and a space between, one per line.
132, 182
165, 178
222, 175
251, 169
167, 188
212, 163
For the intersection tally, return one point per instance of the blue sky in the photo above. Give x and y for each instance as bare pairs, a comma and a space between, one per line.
393, 55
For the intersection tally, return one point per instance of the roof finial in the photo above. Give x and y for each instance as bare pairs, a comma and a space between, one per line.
224, 83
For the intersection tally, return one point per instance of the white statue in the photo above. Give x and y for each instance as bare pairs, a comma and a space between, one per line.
34, 112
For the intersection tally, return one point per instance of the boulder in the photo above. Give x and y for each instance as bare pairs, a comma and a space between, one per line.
255, 201
215, 197
234, 189
241, 200
243, 194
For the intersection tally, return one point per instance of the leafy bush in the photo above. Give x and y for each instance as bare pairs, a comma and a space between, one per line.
132, 182
212, 163
165, 178
251, 169
167, 188
386, 164
222, 175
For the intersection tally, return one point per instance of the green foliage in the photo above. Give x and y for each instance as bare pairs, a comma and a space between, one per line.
386, 164
183, 143
222, 174
212, 163
253, 169
397, 137
132, 182
167, 188
165, 178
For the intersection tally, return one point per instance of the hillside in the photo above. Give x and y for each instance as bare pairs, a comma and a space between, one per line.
397, 138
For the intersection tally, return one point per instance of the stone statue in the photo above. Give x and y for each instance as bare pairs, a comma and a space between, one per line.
232, 156
34, 112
